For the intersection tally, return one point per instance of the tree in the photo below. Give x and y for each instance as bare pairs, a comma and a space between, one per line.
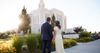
84, 34
25, 22
78, 29
53, 20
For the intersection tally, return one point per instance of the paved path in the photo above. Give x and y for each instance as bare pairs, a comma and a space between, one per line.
91, 47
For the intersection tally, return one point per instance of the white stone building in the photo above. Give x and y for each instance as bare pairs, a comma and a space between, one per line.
38, 17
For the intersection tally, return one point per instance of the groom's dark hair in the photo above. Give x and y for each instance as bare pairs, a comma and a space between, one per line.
48, 19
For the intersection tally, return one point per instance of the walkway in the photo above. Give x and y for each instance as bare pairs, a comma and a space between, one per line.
91, 47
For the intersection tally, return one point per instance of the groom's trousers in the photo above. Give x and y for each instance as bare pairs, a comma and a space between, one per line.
46, 44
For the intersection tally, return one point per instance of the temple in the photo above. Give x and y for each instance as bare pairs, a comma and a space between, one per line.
39, 16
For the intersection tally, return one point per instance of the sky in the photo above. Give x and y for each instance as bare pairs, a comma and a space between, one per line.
85, 13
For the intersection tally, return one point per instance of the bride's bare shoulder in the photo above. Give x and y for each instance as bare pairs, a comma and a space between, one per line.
55, 28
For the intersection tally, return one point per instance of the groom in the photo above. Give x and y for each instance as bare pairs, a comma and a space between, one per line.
46, 31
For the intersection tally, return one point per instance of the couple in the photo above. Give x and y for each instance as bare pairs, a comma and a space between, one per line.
49, 33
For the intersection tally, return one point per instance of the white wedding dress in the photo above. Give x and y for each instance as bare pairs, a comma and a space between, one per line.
58, 41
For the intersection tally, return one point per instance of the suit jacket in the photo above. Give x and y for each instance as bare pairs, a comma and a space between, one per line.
46, 31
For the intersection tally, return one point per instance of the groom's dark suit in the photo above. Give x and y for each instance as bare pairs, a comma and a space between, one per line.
46, 31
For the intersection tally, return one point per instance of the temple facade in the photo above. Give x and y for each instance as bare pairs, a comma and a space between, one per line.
38, 17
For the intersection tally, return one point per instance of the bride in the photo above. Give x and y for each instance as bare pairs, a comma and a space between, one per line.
58, 38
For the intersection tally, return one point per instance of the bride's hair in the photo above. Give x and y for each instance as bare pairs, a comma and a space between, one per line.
57, 23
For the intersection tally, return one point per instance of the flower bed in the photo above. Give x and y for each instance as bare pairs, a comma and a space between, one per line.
29, 43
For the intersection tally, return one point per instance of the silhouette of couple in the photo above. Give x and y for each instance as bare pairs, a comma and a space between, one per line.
50, 34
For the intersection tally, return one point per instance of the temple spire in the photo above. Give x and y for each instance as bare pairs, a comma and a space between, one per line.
41, 4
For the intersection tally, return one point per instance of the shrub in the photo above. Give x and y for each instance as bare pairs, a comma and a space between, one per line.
38, 36
85, 39
53, 46
84, 34
6, 47
69, 43
6, 50
31, 43
3, 36
17, 43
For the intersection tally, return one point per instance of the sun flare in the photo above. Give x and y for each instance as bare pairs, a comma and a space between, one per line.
8, 24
